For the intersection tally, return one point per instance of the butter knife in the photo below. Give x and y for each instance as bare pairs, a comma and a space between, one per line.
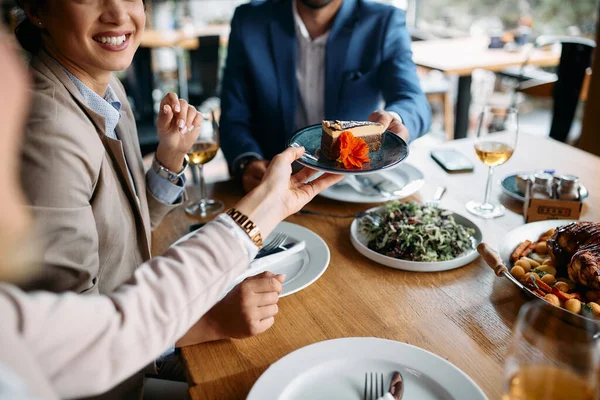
397, 386
276, 250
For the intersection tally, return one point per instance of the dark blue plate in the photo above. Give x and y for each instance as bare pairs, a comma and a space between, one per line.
509, 186
393, 150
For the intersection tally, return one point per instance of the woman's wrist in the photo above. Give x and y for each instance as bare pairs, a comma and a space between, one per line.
264, 208
205, 330
171, 160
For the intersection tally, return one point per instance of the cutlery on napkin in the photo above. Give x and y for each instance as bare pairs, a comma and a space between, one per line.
265, 262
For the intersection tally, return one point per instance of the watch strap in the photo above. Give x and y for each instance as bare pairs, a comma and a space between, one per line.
247, 226
166, 173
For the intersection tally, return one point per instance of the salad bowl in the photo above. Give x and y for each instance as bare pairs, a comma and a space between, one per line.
360, 242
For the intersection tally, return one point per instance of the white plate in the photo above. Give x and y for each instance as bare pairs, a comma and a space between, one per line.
335, 369
301, 269
360, 243
531, 232
404, 176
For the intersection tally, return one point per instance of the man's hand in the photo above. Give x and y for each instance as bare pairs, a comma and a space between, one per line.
390, 122
254, 173
249, 309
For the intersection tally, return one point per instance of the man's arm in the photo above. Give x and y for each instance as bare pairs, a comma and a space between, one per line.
236, 137
398, 78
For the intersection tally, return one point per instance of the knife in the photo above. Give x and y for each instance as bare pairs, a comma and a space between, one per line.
397, 386
276, 250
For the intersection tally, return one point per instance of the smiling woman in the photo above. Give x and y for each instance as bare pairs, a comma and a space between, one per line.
82, 172
75, 34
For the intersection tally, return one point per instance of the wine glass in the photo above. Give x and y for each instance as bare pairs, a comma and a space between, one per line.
203, 150
553, 355
497, 131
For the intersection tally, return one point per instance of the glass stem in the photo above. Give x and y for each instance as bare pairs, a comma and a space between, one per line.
198, 178
202, 185
488, 186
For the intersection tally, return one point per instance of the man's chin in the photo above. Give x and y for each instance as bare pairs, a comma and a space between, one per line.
316, 4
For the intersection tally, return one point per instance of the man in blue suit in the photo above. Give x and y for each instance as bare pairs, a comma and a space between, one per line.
293, 63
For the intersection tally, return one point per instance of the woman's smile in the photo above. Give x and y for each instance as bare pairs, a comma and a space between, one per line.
113, 41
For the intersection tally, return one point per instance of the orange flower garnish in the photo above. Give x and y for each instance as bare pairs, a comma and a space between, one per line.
353, 150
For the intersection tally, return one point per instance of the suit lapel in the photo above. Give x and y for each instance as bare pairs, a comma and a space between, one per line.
126, 132
335, 56
283, 42
98, 120
119, 150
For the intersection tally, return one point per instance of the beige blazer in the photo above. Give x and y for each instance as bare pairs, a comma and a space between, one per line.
68, 346
93, 229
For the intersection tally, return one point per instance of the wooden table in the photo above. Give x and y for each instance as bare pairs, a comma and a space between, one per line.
465, 315
463, 55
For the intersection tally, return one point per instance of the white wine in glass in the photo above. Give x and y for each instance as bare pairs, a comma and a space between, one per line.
553, 355
497, 132
203, 150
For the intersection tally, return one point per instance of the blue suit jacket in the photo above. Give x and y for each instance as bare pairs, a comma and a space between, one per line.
368, 58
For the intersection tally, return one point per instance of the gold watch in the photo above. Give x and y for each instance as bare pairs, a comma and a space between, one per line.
247, 225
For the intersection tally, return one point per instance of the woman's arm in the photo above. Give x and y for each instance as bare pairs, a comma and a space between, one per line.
87, 345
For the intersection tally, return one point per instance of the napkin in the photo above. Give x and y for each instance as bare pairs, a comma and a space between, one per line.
266, 262
387, 396
395, 183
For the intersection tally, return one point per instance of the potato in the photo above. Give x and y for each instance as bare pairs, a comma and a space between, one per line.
549, 262
517, 271
548, 278
533, 263
547, 269
537, 257
524, 264
552, 299
549, 232
562, 286
526, 276
541, 248
595, 308
573, 305
592, 295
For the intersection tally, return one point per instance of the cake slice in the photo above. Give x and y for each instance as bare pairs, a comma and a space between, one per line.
370, 132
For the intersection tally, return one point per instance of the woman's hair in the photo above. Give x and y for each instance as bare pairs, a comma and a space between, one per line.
29, 35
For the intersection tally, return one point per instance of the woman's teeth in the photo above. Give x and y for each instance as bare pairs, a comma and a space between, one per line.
112, 40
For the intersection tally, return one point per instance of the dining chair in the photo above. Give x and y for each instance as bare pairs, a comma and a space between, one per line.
204, 69
436, 88
139, 83
565, 87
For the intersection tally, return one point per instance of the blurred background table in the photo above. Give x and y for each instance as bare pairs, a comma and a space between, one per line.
462, 56
465, 316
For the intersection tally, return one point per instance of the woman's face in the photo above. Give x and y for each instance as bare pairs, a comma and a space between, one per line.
94, 35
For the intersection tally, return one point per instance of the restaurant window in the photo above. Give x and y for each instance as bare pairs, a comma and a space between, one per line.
550, 17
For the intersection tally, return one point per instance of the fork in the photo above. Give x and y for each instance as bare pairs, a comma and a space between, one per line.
435, 202
274, 243
373, 386
306, 154
367, 183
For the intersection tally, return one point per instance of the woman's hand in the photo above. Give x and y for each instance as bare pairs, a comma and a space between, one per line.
178, 128
280, 194
247, 310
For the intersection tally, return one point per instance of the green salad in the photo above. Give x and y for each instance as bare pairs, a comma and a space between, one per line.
414, 232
